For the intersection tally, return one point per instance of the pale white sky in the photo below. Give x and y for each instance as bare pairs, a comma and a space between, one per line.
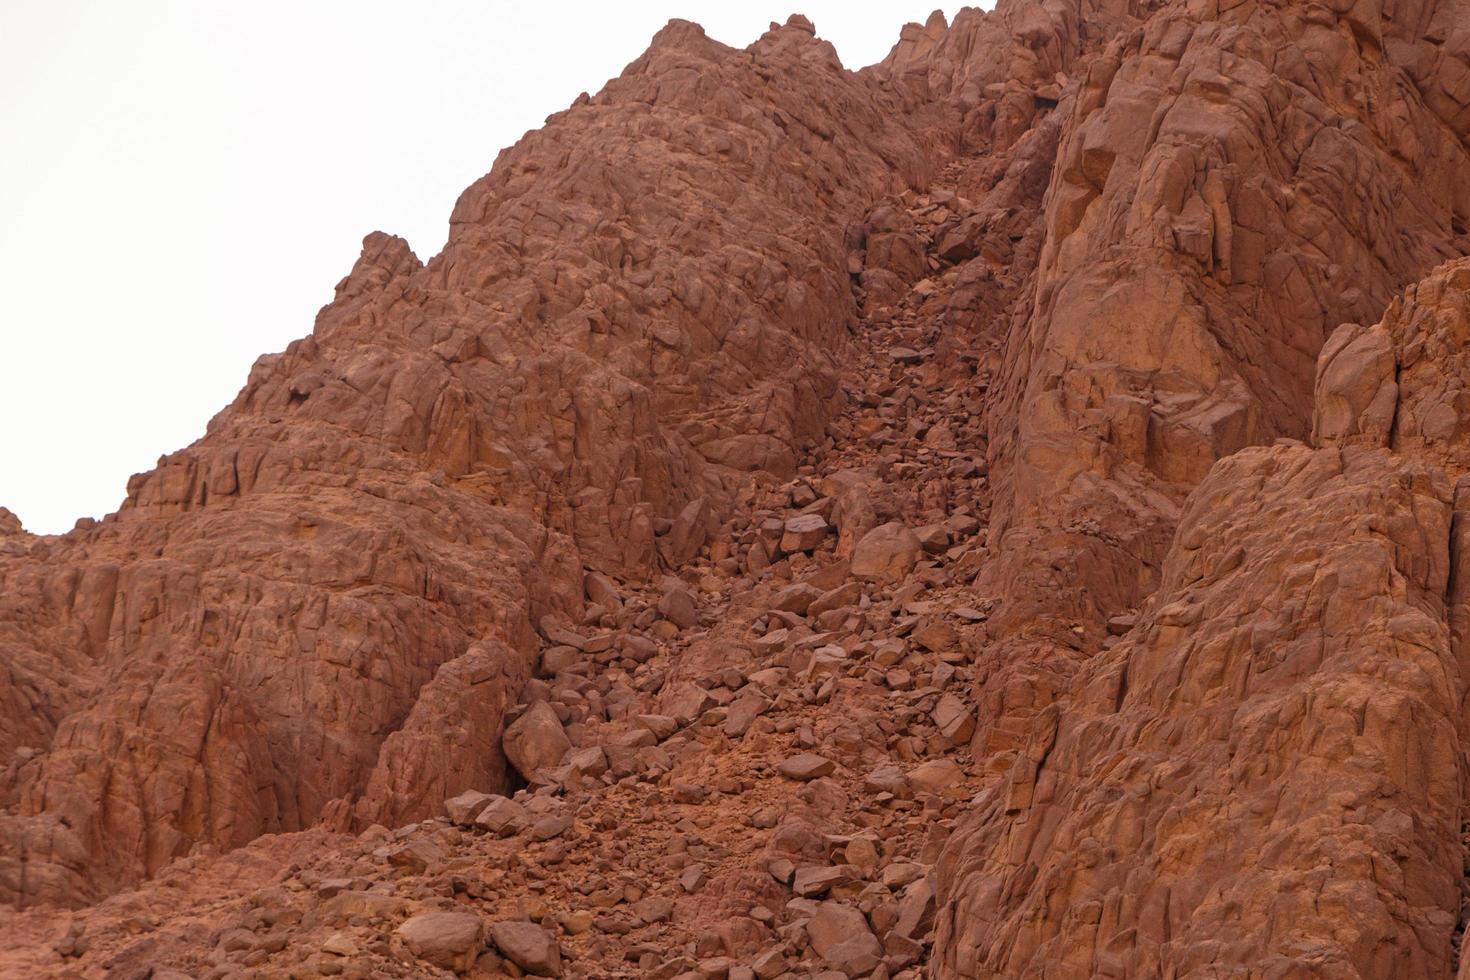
182, 183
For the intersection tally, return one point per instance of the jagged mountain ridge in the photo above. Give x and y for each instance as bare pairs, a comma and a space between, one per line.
996, 323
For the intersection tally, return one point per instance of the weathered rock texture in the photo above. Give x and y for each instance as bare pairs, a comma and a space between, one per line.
640, 303
998, 513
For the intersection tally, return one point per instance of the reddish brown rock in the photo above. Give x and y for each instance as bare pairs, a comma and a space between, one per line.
997, 513
449, 939
267, 605
536, 740
1316, 722
528, 946
886, 554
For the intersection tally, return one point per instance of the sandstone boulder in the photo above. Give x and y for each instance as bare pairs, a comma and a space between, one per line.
536, 740
840, 935
451, 940
886, 554
528, 946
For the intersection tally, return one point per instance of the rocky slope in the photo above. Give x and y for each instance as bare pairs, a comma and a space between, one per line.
993, 514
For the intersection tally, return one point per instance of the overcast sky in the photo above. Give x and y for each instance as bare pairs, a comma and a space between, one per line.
183, 182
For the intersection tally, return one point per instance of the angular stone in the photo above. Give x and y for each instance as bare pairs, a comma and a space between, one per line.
503, 817
451, 940
840, 935
678, 607
813, 882
806, 766
536, 740
688, 534
886, 554
528, 946
463, 808
935, 776
687, 703
838, 598
796, 598
804, 532
743, 712
549, 827
661, 726
954, 720
591, 761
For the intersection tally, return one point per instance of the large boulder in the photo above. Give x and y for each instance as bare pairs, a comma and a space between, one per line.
840, 935
528, 946
536, 740
449, 939
886, 554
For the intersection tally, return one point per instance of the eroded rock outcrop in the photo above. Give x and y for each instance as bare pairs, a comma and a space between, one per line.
1231, 783
642, 302
996, 513
1216, 210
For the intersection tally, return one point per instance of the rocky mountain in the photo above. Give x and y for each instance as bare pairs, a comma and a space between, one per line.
996, 513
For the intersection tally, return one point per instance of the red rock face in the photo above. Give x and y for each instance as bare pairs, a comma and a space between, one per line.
994, 514
642, 303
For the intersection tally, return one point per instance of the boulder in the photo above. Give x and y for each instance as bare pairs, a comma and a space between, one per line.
536, 740
528, 946
804, 532
503, 817
806, 766
678, 606
840, 935
451, 940
464, 808
886, 554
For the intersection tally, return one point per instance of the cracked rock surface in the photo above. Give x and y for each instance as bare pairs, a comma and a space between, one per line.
991, 514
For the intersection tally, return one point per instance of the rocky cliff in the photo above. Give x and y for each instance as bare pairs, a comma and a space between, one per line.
992, 514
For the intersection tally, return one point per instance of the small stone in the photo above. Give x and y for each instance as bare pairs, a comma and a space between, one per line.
840, 935
806, 766
678, 607
885, 554
955, 721
464, 808
804, 532
549, 827
449, 939
528, 946
503, 817
813, 882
